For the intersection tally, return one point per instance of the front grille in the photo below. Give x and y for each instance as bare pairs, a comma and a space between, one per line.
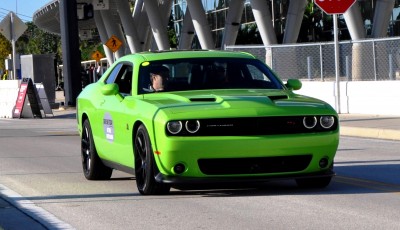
255, 165
254, 126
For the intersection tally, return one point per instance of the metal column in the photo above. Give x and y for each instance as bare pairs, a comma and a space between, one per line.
158, 27
103, 36
264, 21
383, 10
232, 23
355, 22
129, 26
200, 23
187, 33
71, 54
294, 18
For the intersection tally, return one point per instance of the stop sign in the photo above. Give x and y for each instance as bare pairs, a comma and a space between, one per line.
334, 6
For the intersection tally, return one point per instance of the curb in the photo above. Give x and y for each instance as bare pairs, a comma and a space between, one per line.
26, 214
385, 134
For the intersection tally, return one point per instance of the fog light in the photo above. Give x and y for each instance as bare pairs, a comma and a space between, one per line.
323, 163
179, 168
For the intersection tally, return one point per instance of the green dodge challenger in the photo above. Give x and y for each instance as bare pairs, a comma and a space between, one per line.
176, 118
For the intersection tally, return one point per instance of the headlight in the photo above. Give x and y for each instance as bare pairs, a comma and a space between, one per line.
174, 127
309, 122
327, 121
192, 126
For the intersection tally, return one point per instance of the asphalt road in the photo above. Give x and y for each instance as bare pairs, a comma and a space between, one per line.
40, 170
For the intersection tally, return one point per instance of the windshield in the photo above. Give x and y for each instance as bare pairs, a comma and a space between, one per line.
205, 74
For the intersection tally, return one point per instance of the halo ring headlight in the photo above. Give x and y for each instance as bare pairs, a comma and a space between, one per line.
310, 122
174, 127
327, 121
192, 126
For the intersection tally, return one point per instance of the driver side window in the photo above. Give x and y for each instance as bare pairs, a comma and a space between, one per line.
122, 76
111, 78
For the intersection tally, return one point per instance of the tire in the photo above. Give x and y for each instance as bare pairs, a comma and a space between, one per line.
316, 182
145, 167
93, 167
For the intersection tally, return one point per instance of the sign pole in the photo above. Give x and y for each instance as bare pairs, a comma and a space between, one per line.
335, 7
12, 28
14, 52
337, 73
96, 66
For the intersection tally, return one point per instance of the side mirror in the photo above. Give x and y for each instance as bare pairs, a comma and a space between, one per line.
293, 84
110, 89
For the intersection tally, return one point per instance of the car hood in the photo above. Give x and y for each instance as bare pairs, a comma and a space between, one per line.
252, 102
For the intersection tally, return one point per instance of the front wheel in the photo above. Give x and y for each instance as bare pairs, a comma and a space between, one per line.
93, 167
317, 182
145, 167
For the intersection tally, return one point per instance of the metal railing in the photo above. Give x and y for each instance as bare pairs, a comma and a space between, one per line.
363, 60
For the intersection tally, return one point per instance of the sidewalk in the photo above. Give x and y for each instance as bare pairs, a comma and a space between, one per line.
370, 126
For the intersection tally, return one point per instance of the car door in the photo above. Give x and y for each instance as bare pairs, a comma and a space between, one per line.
116, 144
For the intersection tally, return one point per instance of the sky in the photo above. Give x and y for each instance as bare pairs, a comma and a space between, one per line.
23, 8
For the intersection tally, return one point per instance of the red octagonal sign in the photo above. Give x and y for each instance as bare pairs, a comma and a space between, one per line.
334, 6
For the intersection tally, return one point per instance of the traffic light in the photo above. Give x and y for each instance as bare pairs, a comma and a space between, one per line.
85, 11
88, 11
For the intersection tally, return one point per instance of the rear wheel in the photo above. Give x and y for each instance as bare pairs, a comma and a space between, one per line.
93, 168
317, 182
145, 167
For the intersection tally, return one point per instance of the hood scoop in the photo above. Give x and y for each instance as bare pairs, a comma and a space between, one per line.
203, 99
278, 97
214, 99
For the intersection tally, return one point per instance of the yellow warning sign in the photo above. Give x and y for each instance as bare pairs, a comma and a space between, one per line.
97, 56
114, 43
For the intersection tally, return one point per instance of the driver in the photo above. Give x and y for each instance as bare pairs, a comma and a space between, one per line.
159, 76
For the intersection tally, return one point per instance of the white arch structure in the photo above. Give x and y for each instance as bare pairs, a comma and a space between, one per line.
144, 26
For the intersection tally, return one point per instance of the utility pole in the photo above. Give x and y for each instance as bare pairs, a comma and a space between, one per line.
70, 51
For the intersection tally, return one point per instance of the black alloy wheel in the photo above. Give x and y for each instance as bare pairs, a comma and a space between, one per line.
145, 167
93, 167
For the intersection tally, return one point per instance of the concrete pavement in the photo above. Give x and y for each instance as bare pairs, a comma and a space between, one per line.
359, 125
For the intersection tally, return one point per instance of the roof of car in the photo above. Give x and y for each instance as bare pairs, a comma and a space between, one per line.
176, 54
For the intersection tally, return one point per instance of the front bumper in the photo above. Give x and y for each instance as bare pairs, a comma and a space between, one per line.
176, 180
246, 156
